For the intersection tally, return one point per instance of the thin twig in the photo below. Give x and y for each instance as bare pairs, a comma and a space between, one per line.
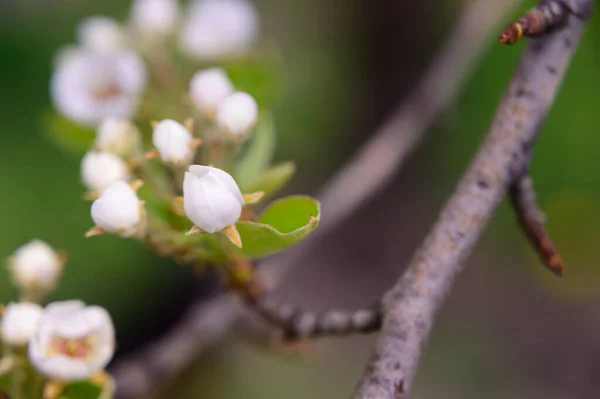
375, 165
299, 323
549, 15
410, 306
532, 221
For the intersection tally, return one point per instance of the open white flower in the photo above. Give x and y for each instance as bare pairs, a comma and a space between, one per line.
212, 198
100, 34
118, 136
237, 115
73, 341
35, 266
99, 169
219, 28
20, 322
118, 210
152, 18
174, 142
208, 89
93, 86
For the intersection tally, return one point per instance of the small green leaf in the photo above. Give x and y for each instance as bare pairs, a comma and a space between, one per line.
258, 154
81, 390
261, 75
272, 180
283, 223
68, 136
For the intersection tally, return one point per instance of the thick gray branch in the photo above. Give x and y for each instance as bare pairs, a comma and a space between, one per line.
410, 306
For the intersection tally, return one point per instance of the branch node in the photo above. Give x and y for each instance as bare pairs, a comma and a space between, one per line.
538, 21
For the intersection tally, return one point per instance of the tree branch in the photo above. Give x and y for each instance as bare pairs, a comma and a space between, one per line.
410, 306
139, 374
298, 323
532, 221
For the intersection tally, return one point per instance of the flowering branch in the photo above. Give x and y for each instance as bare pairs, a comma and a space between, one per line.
531, 218
410, 306
138, 375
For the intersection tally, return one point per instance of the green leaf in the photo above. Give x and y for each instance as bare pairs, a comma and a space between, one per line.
272, 180
81, 390
261, 75
283, 223
68, 136
258, 154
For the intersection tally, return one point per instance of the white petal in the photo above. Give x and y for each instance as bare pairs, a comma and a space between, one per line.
35, 265
223, 177
60, 367
117, 135
196, 205
117, 208
154, 17
238, 114
209, 88
219, 28
173, 141
100, 34
99, 169
222, 205
20, 322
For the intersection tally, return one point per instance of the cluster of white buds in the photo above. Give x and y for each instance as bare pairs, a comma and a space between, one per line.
235, 113
119, 211
219, 28
174, 142
118, 136
72, 341
154, 18
36, 268
212, 200
99, 169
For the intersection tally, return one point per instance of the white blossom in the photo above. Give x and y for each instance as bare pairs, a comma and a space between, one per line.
89, 86
20, 322
35, 266
99, 169
118, 136
153, 18
117, 210
219, 28
237, 115
101, 34
73, 341
209, 88
211, 198
173, 141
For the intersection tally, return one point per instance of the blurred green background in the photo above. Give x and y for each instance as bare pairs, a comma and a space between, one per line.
510, 329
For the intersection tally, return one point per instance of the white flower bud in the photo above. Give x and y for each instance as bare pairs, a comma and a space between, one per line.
73, 341
237, 115
117, 210
100, 34
219, 28
20, 322
173, 141
211, 198
118, 136
88, 87
153, 18
209, 88
99, 169
35, 266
